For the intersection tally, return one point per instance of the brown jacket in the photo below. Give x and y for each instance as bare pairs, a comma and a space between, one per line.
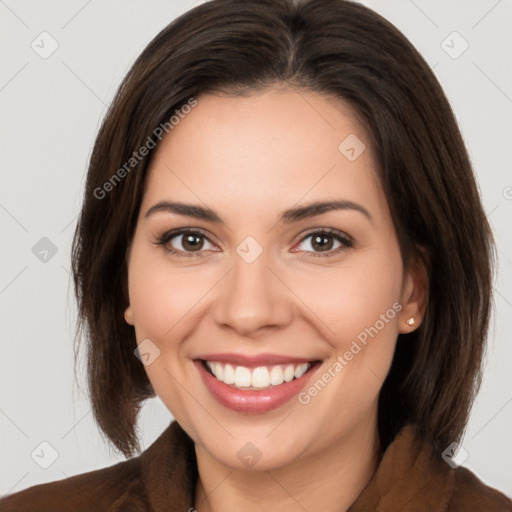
163, 478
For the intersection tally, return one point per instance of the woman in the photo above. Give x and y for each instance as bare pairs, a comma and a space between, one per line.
275, 241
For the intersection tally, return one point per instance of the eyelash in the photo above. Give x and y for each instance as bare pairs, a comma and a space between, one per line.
345, 240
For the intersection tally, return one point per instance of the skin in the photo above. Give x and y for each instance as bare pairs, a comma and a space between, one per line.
250, 158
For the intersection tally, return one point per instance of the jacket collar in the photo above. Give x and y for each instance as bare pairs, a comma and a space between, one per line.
408, 477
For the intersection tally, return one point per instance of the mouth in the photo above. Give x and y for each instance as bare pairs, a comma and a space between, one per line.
256, 378
256, 383
246, 385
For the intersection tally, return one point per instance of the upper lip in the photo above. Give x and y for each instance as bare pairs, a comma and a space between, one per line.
255, 360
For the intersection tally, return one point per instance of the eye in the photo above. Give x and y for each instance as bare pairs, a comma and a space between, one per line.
191, 242
183, 241
322, 241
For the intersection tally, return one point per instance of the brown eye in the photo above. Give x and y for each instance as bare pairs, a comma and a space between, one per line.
323, 241
184, 242
192, 242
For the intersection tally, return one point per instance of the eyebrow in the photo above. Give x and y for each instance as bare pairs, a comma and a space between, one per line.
287, 217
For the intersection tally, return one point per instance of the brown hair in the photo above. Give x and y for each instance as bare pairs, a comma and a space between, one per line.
337, 48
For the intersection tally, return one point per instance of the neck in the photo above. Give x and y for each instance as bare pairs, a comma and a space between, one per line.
330, 480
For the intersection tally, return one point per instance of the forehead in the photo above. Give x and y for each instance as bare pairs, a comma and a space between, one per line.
273, 147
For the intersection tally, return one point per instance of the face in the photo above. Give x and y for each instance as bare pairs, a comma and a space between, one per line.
265, 296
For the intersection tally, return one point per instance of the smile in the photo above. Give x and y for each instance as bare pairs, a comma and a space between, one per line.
261, 377
254, 384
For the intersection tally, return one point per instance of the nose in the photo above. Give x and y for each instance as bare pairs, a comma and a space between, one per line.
252, 297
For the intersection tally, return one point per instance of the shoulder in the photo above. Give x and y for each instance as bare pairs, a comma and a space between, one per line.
164, 473
96, 490
413, 476
471, 494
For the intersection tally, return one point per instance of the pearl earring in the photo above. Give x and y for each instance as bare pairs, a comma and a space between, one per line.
410, 321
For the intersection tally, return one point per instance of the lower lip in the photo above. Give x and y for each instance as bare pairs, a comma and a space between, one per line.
252, 401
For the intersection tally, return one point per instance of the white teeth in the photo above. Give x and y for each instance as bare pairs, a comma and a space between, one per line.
229, 374
289, 373
301, 370
242, 377
218, 370
260, 377
276, 376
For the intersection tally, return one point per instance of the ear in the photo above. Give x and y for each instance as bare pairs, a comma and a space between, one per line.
128, 312
128, 315
414, 297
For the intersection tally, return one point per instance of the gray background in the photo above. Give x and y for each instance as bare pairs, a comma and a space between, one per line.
50, 112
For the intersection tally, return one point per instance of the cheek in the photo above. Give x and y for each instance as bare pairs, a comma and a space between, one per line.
357, 297
361, 308
362, 315
160, 295
152, 303
160, 298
